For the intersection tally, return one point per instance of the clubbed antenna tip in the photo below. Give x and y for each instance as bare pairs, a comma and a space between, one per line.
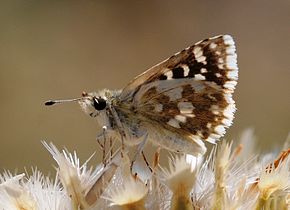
49, 103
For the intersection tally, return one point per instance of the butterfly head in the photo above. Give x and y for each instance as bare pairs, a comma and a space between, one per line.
94, 104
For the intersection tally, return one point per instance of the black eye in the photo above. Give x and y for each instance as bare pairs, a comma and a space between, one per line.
99, 103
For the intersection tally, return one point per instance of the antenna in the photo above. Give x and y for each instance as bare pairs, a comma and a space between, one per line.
52, 102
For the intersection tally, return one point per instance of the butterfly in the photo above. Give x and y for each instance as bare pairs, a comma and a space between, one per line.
178, 104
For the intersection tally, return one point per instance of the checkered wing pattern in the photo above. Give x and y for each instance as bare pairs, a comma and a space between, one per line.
190, 93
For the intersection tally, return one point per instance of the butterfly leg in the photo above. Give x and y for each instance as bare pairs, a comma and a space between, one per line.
111, 149
156, 158
139, 151
101, 136
146, 162
105, 135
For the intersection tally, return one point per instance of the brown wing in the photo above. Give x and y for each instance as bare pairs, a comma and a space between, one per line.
193, 109
213, 58
191, 92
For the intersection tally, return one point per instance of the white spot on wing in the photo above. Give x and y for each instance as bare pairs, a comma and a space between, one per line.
230, 50
220, 60
228, 40
203, 70
211, 140
174, 123
186, 70
212, 45
230, 85
231, 61
231, 57
208, 125
213, 137
201, 59
220, 129
199, 77
218, 75
227, 122
197, 51
198, 54
169, 74
229, 111
189, 115
228, 97
214, 109
232, 74
180, 118
185, 107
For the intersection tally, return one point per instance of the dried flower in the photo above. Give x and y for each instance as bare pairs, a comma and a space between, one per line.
180, 178
130, 194
227, 179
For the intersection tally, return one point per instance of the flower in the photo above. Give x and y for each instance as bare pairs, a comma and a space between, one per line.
228, 178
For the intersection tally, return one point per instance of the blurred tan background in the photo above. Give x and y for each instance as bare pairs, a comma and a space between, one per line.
57, 49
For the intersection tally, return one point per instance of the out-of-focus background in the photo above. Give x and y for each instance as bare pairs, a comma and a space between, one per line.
57, 49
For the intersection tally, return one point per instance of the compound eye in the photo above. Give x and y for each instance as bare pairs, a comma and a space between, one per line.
99, 103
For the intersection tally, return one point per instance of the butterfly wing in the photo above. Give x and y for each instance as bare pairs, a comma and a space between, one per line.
216, 55
190, 93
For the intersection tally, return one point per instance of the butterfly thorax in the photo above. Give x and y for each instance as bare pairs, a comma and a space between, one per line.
114, 114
